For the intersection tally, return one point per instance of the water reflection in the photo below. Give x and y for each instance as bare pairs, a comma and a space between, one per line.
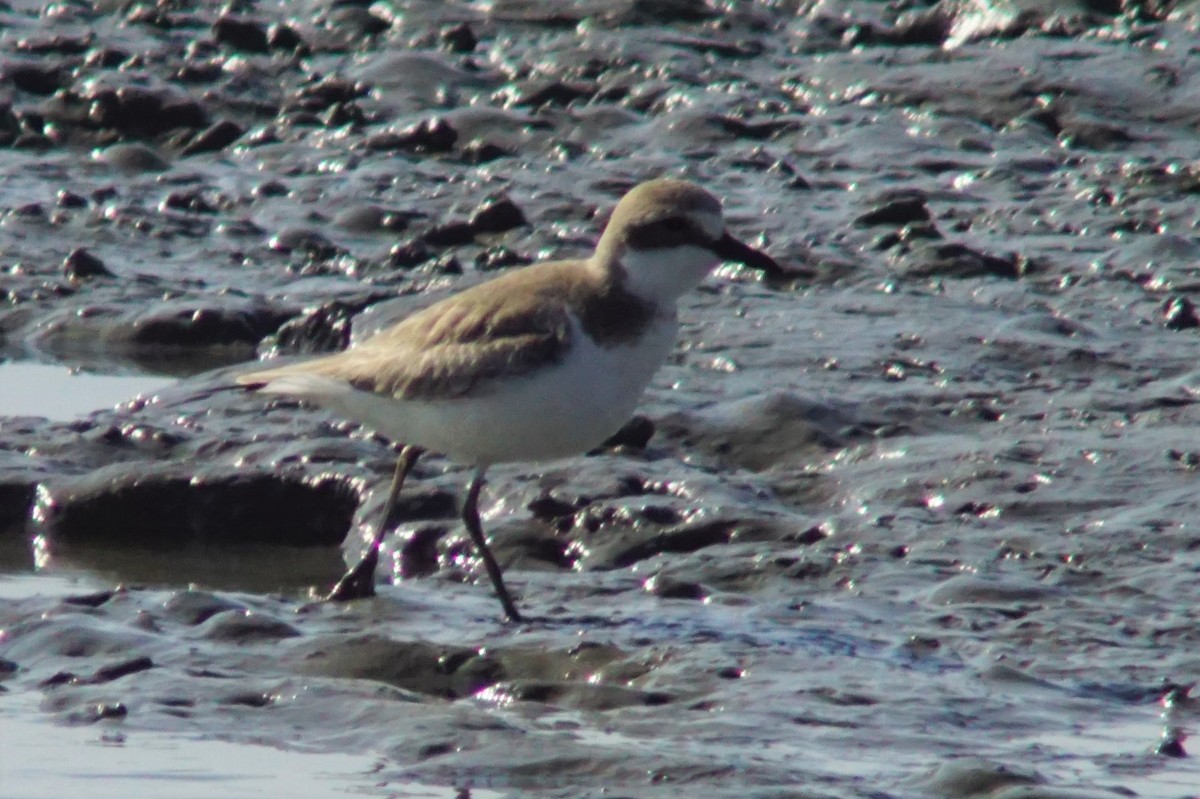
60, 393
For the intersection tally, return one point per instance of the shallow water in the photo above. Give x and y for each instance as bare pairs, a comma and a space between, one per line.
60, 393
41, 760
917, 517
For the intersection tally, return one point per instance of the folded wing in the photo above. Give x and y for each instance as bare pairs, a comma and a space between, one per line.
451, 349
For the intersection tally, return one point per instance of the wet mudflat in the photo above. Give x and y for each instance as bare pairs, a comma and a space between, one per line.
913, 517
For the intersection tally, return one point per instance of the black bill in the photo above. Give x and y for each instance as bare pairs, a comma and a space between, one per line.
727, 248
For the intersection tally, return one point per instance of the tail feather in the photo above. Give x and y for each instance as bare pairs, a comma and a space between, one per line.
296, 384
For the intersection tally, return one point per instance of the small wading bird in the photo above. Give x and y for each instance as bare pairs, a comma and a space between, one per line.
540, 363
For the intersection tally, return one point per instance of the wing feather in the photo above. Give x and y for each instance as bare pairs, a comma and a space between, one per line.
456, 347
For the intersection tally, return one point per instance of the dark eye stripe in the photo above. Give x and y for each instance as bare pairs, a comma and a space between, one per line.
670, 232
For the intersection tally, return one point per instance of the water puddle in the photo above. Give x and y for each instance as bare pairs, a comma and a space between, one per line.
61, 393
47, 761
15, 587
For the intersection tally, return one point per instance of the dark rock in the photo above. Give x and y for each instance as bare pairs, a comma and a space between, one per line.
919, 230
285, 37
451, 234
154, 17
115, 671
497, 216
373, 219
216, 137
813, 535
304, 240
900, 208
499, 258
62, 44
237, 228
271, 188
35, 78
326, 329
886, 241
57, 678
427, 136
1172, 745
143, 112
30, 211
106, 58
410, 254
96, 600
300, 119
82, 265
188, 326
152, 507
459, 38
69, 199
960, 261
448, 264
1077, 129
13, 121
548, 508
670, 588
325, 93
192, 201
688, 537
419, 552
930, 26
200, 71
927, 27
248, 699
1179, 313
342, 114
553, 93
799, 182
397, 221
662, 12
481, 152
241, 34
142, 437
104, 194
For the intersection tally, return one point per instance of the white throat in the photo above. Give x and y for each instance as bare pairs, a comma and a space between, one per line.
664, 275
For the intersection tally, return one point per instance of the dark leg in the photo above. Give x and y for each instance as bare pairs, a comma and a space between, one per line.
475, 529
359, 582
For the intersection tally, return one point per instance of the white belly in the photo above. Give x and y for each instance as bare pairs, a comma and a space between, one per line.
561, 410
